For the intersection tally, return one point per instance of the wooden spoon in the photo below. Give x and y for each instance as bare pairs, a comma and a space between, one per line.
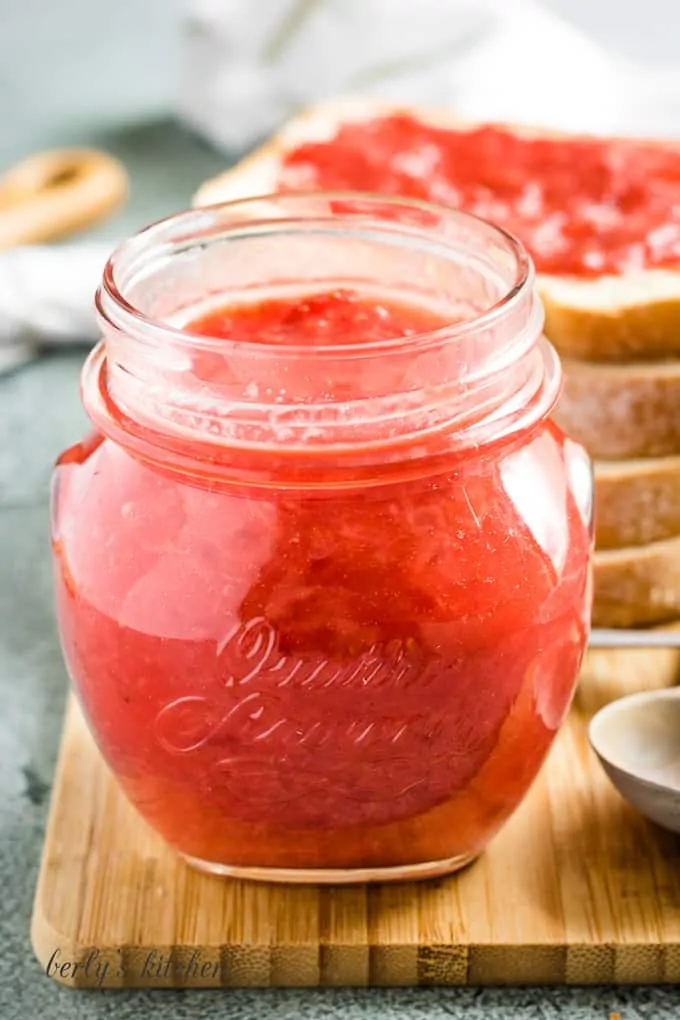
52, 194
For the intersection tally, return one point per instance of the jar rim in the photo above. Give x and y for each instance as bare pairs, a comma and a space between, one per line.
115, 307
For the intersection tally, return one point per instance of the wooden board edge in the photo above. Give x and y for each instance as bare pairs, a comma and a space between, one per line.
55, 953
353, 966
45, 939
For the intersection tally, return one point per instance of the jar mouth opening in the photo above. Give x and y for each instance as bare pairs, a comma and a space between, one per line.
277, 212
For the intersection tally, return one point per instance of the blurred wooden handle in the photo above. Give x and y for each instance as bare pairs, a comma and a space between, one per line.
52, 194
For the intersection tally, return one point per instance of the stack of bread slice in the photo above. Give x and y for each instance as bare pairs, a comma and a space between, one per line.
619, 338
627, 414
620, 350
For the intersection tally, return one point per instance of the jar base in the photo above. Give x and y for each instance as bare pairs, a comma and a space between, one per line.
334, 876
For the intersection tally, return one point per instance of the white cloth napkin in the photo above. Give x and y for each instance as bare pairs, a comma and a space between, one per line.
249, 64
246, 65
46, 298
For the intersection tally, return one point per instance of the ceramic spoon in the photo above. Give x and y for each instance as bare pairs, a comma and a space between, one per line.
637, 740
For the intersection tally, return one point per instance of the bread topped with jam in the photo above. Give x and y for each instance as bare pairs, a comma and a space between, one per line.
600, 217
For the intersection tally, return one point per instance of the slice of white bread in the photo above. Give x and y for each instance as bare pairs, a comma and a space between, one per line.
622, 411
608, 318
638, 585
636, 501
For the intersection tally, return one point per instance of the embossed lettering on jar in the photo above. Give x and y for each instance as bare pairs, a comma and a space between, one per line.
322, 567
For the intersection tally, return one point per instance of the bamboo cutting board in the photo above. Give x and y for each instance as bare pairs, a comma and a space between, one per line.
576, 889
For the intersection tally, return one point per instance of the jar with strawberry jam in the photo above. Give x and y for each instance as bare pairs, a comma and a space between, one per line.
323, 564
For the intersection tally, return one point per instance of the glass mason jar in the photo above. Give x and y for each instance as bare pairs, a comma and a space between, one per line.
323, 604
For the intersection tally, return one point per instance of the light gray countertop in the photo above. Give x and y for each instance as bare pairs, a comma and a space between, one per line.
99, 72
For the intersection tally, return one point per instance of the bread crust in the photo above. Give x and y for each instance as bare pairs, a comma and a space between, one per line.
645, 330
637, 586
609, 319
622, 411
636, 501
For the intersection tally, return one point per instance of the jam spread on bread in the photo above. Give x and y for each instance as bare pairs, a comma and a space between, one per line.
582, 206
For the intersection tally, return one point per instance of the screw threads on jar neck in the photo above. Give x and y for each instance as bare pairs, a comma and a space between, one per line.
483, 373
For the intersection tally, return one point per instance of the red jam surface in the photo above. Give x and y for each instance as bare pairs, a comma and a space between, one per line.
580, 205
325, 678
337, 317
